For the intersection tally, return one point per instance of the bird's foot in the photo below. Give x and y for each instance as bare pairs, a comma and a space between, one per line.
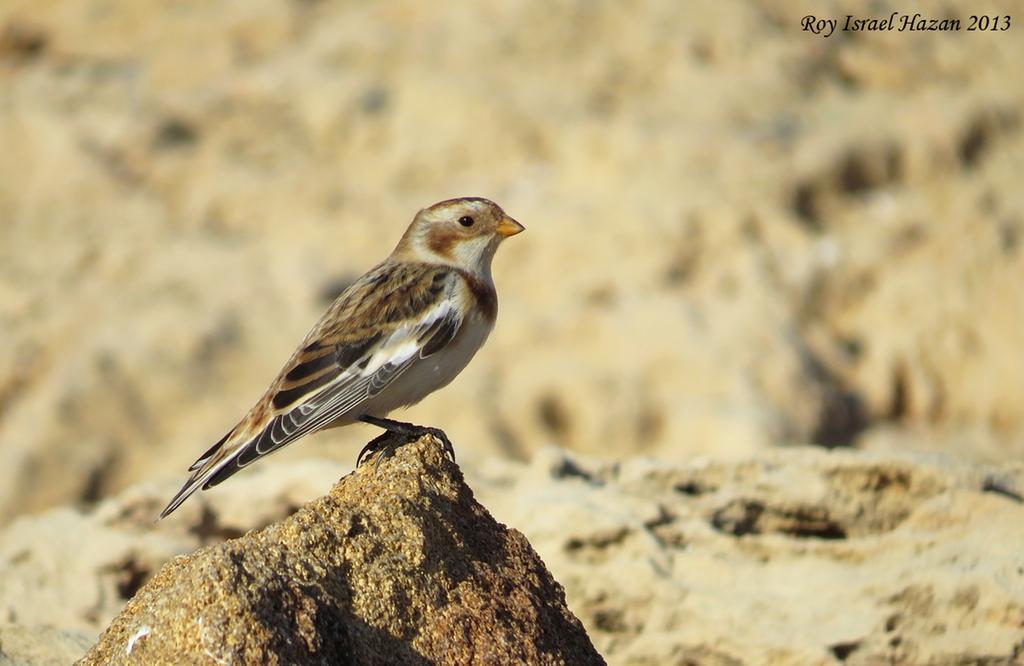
407, 431
384, 443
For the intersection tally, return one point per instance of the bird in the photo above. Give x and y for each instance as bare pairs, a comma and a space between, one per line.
403, 330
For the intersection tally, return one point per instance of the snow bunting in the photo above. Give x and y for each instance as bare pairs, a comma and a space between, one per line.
400, 332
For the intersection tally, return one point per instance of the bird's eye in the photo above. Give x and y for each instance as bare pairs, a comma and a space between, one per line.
466, 221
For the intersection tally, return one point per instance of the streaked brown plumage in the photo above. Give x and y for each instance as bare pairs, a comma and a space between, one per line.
404, 329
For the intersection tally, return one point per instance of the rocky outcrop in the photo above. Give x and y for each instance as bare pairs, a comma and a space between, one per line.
396, 565
813, 557
795, 557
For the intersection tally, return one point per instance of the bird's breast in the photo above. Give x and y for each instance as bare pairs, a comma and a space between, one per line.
434, 372
441, 368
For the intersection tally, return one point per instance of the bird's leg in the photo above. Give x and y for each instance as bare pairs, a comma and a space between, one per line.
407, 430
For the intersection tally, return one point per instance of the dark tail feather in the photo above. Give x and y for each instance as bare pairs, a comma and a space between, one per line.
182, 495
226, 471
245, 455
209, 452
208, 465
216, 465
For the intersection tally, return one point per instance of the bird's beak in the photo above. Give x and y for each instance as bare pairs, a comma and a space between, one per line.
509, 227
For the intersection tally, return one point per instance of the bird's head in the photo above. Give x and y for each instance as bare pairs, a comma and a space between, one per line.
460, 232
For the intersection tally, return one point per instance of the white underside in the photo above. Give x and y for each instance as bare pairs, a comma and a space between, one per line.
424, 376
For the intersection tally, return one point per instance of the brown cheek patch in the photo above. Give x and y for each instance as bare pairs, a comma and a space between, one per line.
442, 242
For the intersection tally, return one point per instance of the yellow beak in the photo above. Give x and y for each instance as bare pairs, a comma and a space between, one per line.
509, 227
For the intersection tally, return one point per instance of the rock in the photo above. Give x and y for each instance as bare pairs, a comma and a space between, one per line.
812, 556
396, 565
75, 568
797, 556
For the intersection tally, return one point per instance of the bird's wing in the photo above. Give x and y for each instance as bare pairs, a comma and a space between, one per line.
390, 318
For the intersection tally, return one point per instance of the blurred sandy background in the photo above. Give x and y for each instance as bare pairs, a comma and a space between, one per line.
740, 235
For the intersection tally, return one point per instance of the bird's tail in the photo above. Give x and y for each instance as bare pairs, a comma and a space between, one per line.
203, 470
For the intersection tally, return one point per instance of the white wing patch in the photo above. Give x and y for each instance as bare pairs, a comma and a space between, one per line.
391, 357
407, 341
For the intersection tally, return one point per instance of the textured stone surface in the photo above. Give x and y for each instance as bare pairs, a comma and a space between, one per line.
75, 569
791, 557
397, 566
